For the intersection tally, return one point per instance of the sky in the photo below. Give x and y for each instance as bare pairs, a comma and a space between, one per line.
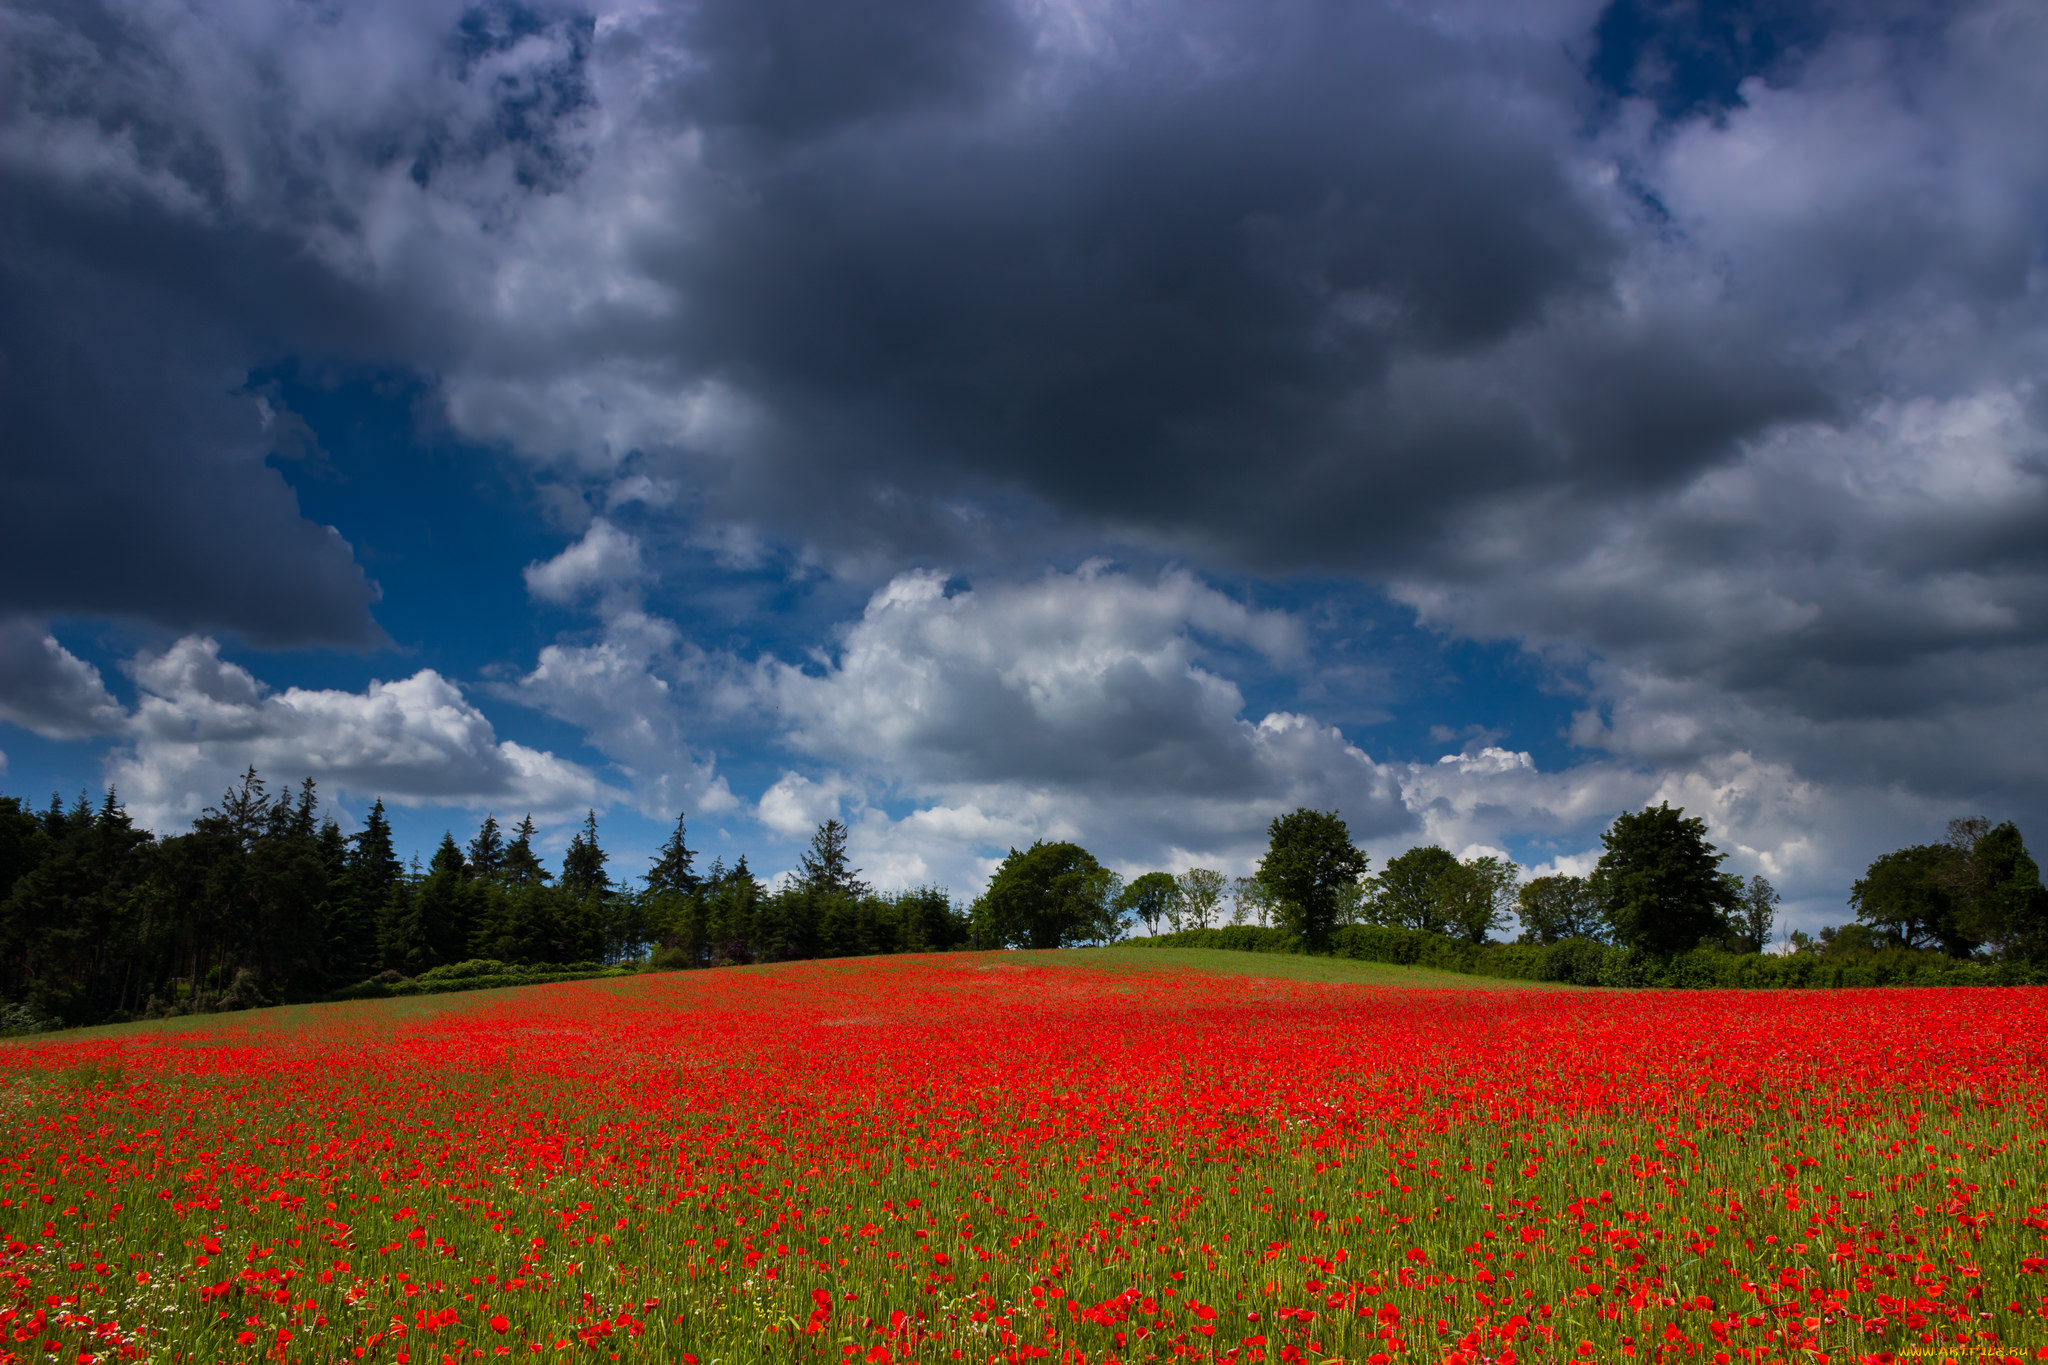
984, 421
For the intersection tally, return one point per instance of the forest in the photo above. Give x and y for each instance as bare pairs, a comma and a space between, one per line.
264, 901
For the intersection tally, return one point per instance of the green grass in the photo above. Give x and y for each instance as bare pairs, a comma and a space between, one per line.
1280, 966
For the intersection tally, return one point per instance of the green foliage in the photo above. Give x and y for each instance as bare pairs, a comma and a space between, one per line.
673, 872
1755, 919
1584, 962
1660, 884
1200, 897
1558, 908
1906, 896
1151, 898
824, 866
1048, 896
23, 843
487, 851
262, 902
2009, 910
1475, 898
1404, 893
1980, 891
1309, 861
583, 874
522, 866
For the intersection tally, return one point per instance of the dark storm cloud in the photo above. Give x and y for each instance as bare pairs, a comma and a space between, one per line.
1699, 342
1291, 286
1178, 290
792, 69
134, 483
174, 214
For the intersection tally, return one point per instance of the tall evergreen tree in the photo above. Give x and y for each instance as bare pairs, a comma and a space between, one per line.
583, 873
375, 877
244, 811
824, 866
487, 850
672, 872
23, 842
522, 865
306, 812
432, 927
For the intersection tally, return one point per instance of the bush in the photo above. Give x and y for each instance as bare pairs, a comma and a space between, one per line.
1583, 962
440, 981
460, 971
1576, 961
669, 959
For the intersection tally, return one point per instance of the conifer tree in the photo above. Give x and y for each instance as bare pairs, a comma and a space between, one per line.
522, 865
374, 877
304, 817
583, 873
672, 870
487, 850
825, 871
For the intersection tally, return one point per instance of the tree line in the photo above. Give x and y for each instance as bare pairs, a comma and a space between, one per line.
1658, 886
1658, 889
264, 902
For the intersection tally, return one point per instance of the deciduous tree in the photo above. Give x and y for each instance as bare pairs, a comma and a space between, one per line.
1404, 893
1047, 896
1151, 898
1659, 882
1553, 909
1309, 860
1201, 893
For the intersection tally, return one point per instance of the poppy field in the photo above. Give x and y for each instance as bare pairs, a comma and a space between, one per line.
996, 1157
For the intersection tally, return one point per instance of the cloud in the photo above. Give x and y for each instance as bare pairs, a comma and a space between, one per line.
46, 688
627, 693
201, 720
795, 806
1704, 363
606, 559
1082, 705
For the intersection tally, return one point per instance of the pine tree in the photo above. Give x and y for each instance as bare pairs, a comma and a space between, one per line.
374, 868
375, 877
825, 871
522, 866
244, 812
583, 873
671, 873
428, 929
487, 850
54, 822
305, 814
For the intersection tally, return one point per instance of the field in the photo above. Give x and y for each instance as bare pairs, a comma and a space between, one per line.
1078, 1157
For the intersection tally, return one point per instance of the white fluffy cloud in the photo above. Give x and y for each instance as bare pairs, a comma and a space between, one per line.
796, 805
623, 693
201, 720
1088, 705
606, 559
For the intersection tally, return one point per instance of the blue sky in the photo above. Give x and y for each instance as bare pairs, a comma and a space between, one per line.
996, 421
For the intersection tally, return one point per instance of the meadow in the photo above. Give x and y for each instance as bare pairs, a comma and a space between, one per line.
1087, 1156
